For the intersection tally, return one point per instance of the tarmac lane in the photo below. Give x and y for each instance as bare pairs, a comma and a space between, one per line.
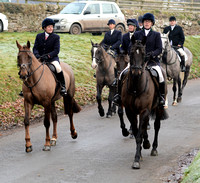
101, 154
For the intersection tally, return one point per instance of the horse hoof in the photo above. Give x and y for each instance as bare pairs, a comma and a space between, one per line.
125, 133
132, 136
146, 144
74, 135
46, 148
101, 113
136, 165
108, 115
174, 103
179, 99
29, 149
53, 142
154, 153
148, 127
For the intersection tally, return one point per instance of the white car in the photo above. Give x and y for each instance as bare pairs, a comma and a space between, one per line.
88, 16
3, 22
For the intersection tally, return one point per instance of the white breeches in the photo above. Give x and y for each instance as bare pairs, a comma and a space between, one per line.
57, 66
182, 53
157, 68
160, 74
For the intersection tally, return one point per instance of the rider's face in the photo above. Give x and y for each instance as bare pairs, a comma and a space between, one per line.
49, 29
111, 26
147, 24
131, 28
172, 23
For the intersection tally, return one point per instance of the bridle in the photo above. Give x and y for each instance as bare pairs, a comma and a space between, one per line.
27, 66
98, 60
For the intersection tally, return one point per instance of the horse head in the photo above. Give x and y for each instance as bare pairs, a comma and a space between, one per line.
165, 41
24, 60
97, 52
137, 56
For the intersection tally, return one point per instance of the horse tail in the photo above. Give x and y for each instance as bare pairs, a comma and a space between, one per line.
70, 105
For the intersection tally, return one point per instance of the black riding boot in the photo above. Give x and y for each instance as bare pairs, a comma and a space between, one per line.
117, 97
182, 63
115, 81
61, 79
21, 94
162, 93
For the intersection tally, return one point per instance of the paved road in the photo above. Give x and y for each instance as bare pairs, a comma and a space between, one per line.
101, 154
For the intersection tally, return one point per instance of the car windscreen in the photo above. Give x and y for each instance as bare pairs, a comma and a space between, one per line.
73, 8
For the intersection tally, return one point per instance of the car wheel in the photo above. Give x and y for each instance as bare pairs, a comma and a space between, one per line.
120, 27
96, 33
75, 29
1, 26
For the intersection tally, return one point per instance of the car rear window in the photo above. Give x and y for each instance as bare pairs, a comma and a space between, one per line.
109, 8
73, 8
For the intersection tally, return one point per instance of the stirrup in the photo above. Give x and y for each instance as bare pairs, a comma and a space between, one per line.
117, 99
21, 94
182, 68
63, 91
114, 83
162, 101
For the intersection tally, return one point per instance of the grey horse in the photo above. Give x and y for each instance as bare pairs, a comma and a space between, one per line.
105, 76
171, 65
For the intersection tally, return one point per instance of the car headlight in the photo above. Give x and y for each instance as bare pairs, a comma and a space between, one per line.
63, 21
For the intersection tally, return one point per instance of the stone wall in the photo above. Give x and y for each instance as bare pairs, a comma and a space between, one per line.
28, 17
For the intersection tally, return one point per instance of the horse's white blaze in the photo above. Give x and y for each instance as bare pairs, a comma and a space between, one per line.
94, 63
137, 51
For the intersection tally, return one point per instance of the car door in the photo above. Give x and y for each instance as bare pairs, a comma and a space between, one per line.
91, 17
109, 11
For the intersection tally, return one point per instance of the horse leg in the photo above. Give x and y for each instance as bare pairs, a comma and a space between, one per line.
179, 90
47, 146
54, 119
110, 97
154, 151
98, 97
69, 104
125, 132
28, 107
144, 118
187, 71
174, 90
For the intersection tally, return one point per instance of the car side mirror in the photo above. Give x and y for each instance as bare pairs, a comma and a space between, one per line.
86, 12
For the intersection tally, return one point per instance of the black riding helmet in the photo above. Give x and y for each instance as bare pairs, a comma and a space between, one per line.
47, 21
148, 16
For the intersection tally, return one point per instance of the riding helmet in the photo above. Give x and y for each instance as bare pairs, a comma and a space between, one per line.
47, 21
111, 21
148, 16
140, 19
132, 22
172, 18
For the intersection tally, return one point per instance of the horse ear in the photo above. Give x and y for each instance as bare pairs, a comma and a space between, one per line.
144, 40
168, 33
133, 39
18, 45
28, 44
91, 42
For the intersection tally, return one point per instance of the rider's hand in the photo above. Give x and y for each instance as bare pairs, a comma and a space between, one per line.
44, 57
148, 56
179, 45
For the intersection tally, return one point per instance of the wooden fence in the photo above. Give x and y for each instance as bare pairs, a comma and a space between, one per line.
165, 5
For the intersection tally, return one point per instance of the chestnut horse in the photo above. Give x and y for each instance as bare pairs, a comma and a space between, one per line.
140, 97
39, 87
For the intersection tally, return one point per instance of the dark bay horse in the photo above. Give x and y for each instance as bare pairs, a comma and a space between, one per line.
171, 64
140, 97
105, 76
39, 87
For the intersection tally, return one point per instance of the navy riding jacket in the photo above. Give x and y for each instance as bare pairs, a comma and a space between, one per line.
153, 43
51, 46
176, 35
114, 40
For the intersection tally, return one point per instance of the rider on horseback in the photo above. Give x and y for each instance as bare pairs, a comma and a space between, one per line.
177, 38
112, 42
126, 38
47, 47
153, 49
